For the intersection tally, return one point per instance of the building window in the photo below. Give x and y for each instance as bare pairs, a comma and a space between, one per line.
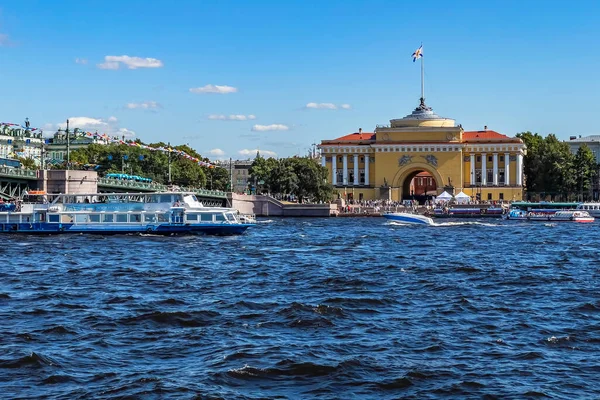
501, 196
489, 196
478, 158
490, 176
501, 158
490, 158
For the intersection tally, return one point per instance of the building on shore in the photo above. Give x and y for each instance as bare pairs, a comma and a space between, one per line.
592, 141
77, 139
19, 142
485, 164
239, 171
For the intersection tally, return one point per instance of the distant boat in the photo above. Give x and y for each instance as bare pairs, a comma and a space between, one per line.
592, 208
563, 215
408, 218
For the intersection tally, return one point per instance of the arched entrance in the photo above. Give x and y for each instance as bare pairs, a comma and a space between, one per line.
418, 182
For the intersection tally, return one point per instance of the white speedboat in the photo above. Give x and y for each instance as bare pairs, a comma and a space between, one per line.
408, 218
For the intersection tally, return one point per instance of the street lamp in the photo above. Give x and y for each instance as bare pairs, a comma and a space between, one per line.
68, 147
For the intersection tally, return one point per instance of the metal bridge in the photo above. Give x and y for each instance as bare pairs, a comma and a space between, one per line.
14, 182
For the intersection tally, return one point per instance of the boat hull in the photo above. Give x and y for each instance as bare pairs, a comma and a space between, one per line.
162, 229
407, 218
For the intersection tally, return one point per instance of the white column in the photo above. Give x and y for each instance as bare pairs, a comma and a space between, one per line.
323, 161
345, 169
356, 170
472, 181
495, 166
366, 170
483, 169
519, 169
507, 169
334, 170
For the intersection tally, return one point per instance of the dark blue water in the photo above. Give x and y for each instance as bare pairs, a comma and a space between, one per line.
299, 308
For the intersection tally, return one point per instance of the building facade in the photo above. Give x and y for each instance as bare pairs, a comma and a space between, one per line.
57, 145
484, 164
239, 174
20, 142
592, 141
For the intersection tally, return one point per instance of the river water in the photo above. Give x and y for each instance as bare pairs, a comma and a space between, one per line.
305, 308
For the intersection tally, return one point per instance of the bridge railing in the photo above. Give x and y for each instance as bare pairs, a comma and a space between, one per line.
156, 187
18, 172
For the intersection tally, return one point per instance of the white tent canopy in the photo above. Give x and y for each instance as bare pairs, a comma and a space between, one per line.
444, 197
462, 198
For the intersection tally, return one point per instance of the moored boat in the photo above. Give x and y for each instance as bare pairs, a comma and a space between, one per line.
100, 213
408, 218
592, 208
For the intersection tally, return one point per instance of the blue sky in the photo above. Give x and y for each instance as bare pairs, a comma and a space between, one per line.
511, 65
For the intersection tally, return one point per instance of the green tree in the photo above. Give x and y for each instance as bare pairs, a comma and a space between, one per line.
260, 171
585, 168
28, 162
532, 162
282, 178
217, 178
312, 180
557, 161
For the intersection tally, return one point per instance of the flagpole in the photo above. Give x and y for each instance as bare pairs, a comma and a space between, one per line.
422, 80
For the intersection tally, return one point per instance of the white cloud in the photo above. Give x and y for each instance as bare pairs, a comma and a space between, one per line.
248, 152
272, 127
326, 106
147, 105
84, 123
214, 89
217, 152
125, 132
108, 126
114, 62
81, 61
232, 117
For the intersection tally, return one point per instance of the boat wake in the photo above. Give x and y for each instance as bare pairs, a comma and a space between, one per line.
465, 223
442, 224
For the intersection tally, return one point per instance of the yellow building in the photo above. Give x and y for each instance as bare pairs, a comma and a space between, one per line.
483, 164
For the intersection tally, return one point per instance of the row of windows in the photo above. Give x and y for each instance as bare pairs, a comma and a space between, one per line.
132, 218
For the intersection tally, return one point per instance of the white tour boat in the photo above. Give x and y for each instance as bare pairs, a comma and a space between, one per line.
563, 215
592, 208
101, 213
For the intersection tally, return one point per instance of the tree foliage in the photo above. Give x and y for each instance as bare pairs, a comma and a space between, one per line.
552, 170
302, 177
146, 163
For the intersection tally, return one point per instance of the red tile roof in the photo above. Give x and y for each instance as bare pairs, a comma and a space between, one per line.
484, 135
356, 136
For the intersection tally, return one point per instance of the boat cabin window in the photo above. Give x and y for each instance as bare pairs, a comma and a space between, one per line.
230, 217
107, 218
206, 217
135, 218
220, 217
163, 217
192, 217
81, 218
94, 218
149, 218
165, 198
53, 218
121, 217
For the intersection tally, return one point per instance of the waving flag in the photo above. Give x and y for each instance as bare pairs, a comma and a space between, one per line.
418, 53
